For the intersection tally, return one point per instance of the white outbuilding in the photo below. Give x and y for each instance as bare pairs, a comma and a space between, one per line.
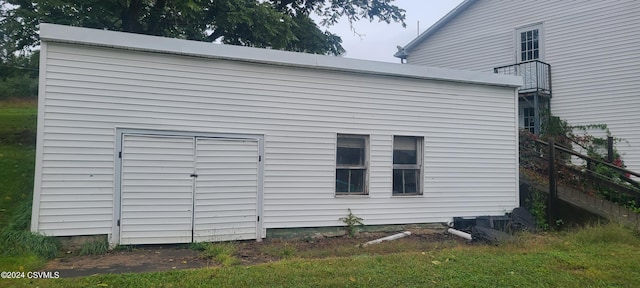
155, 140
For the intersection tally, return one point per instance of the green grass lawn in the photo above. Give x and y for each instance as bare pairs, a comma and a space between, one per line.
600, 256
17, 153
17, 156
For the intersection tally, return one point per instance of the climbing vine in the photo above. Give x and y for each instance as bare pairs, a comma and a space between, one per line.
590, 139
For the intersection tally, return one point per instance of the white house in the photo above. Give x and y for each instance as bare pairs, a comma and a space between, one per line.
578, 58
155, 140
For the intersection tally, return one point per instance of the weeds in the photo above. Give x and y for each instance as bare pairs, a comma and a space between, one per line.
18, 243
126, 248
352, 221
604, 234
17, 240
537, 203
222, 253
97, 247
283, 250
596, 256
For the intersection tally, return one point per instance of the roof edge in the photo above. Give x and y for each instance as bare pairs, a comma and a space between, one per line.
130, 41
403, 53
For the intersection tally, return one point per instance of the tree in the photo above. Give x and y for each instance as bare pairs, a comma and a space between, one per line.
277, 24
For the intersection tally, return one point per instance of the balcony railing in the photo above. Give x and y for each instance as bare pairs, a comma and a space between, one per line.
536, 74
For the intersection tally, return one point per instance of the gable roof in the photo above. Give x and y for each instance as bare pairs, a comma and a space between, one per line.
403, 51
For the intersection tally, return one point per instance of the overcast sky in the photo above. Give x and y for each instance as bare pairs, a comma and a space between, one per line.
379, 40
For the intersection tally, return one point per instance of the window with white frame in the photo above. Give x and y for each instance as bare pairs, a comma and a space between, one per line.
529, 43
407, 165
529, 119
352, 164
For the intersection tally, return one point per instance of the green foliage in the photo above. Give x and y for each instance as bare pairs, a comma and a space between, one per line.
20, 247
609, 234
599, 256
352, 221
282, 250
221, 252
21, 242
97, 247
21, 86
277, 24
127, 248
537, 206
18, 75
17, 240
589, 139
199, 246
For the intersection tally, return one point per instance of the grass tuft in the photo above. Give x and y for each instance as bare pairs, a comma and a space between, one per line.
610, 233
97, 247
18, 240
222, 253
283, 250
18, 243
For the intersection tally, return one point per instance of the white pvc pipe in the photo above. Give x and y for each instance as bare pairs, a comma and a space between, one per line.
388, 238
459, 233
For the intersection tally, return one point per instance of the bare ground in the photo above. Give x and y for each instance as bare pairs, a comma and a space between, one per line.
150, 258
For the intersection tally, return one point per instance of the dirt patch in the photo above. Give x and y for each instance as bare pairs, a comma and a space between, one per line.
148, 258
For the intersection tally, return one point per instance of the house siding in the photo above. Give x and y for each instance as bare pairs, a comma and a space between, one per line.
470, 169
590, 45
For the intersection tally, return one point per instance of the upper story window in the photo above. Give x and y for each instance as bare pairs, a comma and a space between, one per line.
529, 43
352, 164
407, 165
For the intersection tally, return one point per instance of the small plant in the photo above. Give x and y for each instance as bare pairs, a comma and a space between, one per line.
538, 208
352, 221
199, 246
97, 247
223, 253
127, 248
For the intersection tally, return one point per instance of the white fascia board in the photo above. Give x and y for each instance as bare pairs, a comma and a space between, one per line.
105, 38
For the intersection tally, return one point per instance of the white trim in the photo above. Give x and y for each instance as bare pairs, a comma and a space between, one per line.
420, 157
516, 39
367, 164
114, 239
37, 179
95, 37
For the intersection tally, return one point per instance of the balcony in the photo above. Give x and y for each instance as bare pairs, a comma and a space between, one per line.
536, 74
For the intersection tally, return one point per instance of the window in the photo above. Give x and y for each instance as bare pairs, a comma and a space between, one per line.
407, 165
529, 43
530, 119
351, 164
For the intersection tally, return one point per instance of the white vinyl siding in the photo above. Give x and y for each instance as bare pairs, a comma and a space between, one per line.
226, 198
469, 170
157, 190
592, 47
